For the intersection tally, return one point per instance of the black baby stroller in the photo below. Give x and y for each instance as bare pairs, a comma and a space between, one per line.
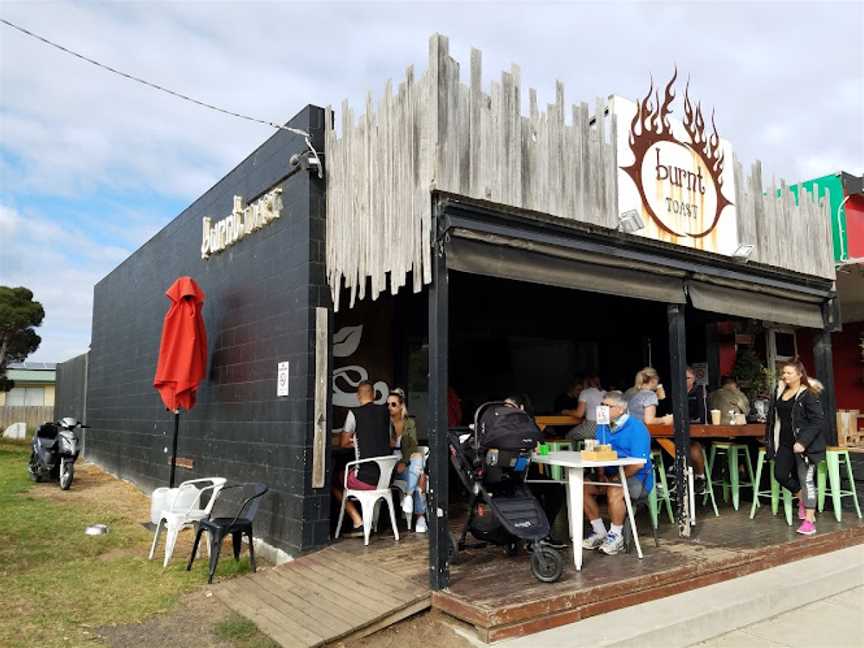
492, 463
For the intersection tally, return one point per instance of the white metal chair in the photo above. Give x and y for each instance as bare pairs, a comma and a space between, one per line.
409, 515
369, 498
175, 508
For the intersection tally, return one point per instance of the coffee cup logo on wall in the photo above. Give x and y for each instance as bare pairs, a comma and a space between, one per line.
674, 173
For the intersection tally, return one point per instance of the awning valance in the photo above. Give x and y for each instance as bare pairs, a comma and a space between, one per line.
753, 305
519, 264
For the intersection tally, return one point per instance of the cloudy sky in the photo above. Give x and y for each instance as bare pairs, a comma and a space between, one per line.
92, 165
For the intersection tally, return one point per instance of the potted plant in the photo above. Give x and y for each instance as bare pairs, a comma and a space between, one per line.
751, 374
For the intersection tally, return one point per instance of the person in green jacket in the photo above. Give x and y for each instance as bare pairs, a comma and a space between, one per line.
728, 399
408, 475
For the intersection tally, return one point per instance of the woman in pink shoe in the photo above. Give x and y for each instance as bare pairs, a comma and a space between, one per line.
796, 440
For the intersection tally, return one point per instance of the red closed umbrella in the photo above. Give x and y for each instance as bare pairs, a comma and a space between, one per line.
182, 352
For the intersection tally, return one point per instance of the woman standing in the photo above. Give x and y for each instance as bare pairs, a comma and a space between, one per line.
408, 476
795, 439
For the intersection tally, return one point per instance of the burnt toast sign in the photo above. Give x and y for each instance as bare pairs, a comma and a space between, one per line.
674, 173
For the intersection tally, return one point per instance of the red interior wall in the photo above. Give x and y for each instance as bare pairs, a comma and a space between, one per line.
848, 368
855, 226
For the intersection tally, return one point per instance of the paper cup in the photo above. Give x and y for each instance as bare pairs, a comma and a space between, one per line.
715, 417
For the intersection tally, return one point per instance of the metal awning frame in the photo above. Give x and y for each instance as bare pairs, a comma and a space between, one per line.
607, 247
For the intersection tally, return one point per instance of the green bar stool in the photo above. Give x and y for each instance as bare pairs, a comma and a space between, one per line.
733, 481
557, 472
834, 458
773, 492
710, 485
660, 492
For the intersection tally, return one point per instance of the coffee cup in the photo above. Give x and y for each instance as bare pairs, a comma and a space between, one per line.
740, 419
661, 393
715, 417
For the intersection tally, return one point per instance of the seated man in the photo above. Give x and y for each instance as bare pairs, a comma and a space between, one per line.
729, 400
367, 430
629, 438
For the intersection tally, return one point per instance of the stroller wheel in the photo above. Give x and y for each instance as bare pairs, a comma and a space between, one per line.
546, 564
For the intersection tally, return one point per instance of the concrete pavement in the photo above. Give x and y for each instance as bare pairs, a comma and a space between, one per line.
837, 621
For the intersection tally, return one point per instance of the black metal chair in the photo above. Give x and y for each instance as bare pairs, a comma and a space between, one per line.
220, 527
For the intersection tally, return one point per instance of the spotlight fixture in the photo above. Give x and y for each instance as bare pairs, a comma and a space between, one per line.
742, 252
630, 222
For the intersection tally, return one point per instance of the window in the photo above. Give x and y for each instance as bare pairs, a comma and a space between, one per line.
26, 396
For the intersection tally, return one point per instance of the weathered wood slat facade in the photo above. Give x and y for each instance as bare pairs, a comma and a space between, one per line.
438, 133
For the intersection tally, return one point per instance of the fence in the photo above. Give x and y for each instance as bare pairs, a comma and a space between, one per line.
436, 132
32, 415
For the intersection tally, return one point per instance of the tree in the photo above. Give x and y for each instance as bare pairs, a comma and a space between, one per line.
19, 315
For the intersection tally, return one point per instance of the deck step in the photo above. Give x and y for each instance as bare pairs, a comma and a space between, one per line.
701, 614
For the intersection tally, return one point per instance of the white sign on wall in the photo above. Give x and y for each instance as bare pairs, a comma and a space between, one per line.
678, 178
282, 376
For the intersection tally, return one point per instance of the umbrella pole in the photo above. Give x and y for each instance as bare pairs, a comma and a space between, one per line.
174, 449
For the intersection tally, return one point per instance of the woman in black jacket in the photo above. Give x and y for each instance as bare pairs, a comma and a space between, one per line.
796, 440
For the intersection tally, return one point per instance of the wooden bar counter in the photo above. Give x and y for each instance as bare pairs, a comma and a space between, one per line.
700, 431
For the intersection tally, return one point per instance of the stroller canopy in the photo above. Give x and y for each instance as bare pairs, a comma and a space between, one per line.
507, 428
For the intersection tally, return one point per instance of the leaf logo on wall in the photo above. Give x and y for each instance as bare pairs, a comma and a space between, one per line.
346, 341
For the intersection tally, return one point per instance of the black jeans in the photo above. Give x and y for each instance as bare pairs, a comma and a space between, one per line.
793, 472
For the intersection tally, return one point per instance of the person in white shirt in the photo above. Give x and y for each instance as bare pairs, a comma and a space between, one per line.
589, 398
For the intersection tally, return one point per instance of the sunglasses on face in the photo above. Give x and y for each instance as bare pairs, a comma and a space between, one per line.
392, 404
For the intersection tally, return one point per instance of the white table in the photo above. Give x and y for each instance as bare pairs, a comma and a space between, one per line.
575, 466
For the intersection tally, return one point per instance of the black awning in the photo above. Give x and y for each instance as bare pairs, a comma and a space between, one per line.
755, 305
510, 259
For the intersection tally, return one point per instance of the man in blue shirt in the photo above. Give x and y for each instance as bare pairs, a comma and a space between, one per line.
629, 438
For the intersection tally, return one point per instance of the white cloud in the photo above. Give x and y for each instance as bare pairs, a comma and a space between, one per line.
60, 265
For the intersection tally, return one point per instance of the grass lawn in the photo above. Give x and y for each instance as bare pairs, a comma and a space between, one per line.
58, 585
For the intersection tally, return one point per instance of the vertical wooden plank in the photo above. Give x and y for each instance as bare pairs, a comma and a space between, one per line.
474, 125
322, 380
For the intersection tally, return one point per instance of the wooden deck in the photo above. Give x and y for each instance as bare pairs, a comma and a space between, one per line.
348, 590
500, 598
344, 590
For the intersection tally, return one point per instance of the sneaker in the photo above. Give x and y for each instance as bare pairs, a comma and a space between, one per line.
613, 544
420, 525
353, 532
700, 486
807, 528
407, 504
802, 511
593, 541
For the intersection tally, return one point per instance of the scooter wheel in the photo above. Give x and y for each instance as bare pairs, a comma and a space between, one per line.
32, 470
66, 475
547, 565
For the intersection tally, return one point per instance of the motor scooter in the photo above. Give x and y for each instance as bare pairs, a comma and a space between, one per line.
54, 450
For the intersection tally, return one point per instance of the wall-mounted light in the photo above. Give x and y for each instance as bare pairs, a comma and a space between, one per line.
743, 252
630, 222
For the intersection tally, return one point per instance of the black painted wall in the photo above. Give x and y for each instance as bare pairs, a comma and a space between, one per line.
69, 398
259, 310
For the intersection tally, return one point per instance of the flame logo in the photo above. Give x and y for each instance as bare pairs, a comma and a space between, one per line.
651, 126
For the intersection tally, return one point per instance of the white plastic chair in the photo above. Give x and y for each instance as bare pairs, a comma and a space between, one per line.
368, 499
179, 507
